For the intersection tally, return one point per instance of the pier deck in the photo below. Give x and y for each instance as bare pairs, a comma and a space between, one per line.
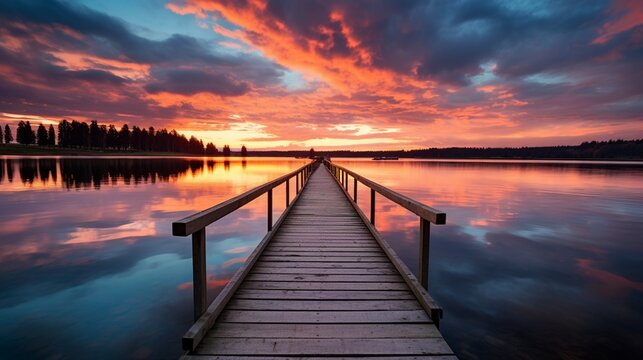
323, 285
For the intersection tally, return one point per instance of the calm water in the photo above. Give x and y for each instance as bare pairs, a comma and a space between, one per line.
538, 260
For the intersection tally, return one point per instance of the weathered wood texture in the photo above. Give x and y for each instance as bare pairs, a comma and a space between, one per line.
323, 287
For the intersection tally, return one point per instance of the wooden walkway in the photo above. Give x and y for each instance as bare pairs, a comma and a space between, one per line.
323, 286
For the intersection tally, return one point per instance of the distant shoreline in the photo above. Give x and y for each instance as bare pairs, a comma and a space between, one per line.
32, 150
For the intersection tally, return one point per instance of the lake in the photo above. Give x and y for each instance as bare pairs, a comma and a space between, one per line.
538, 260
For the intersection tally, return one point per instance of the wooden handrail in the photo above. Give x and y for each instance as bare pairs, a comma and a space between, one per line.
426, 213
195, 225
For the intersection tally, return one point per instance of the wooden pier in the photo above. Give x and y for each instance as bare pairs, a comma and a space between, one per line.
321, 283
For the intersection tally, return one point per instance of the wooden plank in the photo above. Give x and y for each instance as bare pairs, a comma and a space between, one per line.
326, 247
334, 317
397, 357
324, 331
326, 305
325, 241
328, 271
324, 254
347, 259
307, 347
326, 265
324, 278
284, 285
324, 294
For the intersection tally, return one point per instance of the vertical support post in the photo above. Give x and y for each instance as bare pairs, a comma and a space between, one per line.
297, 181
425, 234
355, 189
287, 192
199, 275
372, 207
346, 182
270, 210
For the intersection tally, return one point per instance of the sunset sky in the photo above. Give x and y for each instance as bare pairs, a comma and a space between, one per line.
331, 74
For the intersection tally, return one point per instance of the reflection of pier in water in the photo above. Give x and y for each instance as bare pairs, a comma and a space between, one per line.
93, 172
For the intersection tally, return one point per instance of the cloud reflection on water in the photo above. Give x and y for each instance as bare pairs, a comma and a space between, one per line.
88, 241
536, 260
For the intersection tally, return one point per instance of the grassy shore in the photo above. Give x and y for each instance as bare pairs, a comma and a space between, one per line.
16, 149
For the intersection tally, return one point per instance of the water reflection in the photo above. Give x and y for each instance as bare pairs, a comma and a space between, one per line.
538, 261
94, 272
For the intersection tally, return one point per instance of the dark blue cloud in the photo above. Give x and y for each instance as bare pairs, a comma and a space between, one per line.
189, 82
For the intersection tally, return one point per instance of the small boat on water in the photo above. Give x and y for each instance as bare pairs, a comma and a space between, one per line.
386, 158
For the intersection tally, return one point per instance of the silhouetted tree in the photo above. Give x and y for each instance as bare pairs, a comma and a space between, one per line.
151, 139
96, 139
25, 134
51, 136
64, 133
42, 135
111, 139
8, 137
195, 146
124, 137
79, 134
210, 149
135, 138
244, 151
2, 165
226, 150
311, 153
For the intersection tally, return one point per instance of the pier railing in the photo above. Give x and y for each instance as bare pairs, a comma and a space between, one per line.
426, 213
195, 225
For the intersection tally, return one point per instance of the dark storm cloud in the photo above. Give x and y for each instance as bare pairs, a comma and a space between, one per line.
189, 82
448, 41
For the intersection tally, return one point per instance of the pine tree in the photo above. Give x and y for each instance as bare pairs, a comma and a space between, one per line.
111, 139
64, 133
124, 137
8, 137
42, 135
51, 138
244, 151
24, 134
0, 137
211, 149
226, 150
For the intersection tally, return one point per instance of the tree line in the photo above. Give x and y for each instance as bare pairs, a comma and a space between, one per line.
612, 149
77, 134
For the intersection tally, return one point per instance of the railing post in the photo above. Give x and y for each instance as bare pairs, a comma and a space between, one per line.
346, 183
297, 180
372, 207
355, 189
199, 275
270, 210
287, 192
425, 234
